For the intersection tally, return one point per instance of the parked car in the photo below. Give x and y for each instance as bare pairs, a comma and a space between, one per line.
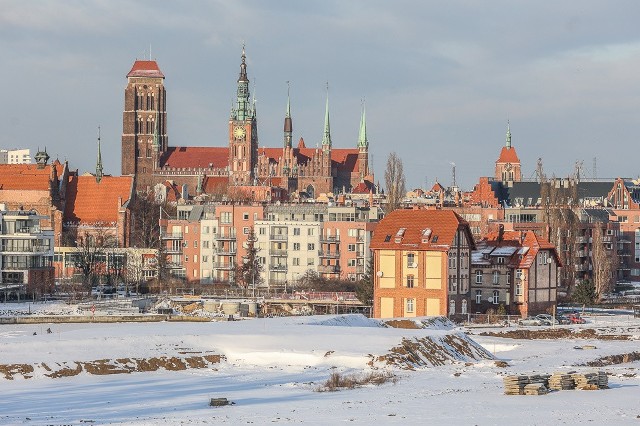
576, 319
547, 319
563, 320
530, 321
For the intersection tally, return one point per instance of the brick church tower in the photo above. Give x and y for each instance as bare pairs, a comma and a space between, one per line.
243, 134
508, 164
144, 128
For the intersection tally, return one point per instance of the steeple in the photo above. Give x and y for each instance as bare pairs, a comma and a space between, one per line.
99, 161
243, 106
363, 142
326, 138
288, 125
508, 143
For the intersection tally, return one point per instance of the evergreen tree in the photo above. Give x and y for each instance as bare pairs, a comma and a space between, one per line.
364, 290
585, 293
249, 273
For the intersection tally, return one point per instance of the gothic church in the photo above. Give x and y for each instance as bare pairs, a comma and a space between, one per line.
286, 173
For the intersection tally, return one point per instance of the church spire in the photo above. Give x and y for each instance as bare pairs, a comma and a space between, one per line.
326, 138
363, 142
243, 104
508, 140
99, 161
288, 125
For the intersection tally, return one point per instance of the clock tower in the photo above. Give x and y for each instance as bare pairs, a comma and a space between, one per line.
508, 164
243, 133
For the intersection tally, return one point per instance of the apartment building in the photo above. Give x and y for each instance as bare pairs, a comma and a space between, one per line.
26, 253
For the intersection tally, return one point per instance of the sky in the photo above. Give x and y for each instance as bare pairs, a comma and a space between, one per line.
440, 80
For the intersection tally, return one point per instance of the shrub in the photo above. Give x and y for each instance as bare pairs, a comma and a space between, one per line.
337, 381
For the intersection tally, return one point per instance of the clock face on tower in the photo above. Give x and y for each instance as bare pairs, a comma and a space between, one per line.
508, 166
238, 132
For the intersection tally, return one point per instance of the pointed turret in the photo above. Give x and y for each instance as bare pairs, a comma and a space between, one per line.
508, 138
41, 158
362, 136
99, 160
326, 137
288, 124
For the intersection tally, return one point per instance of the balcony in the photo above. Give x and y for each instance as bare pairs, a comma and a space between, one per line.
172, 236
329, 254
360, 254
227, 237
359, 269
580, 268
277, 267
279, 253
329, 239
328, 269
174, 250
227, 266
226, 251
582, 240
29, 250
174, 265
278, 237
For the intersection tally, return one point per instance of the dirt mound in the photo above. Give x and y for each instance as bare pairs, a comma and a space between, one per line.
555, 333
109, 366
615, 359
433, 351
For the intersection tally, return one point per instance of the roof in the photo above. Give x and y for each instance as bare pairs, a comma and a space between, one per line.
419, 230
342, 158
27, 177
145, 69
364, 187
524, 243
91, 202
508, 155
197, 157
527, 193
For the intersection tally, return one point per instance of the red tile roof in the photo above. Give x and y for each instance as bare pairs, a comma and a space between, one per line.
523, 239
27, 177
508, 155
343, 158
215, 184
90, 202
145, 69
442, 223
196, 157
364, 187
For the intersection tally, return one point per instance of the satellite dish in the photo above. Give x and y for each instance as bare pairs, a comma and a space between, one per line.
379, 273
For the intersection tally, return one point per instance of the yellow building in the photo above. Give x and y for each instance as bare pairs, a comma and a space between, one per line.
421, 264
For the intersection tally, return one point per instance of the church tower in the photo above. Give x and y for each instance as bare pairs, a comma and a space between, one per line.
144, 120
508, 164
363, 147
326, 141
243, 133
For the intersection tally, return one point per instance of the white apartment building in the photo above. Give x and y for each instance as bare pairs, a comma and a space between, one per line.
15, 156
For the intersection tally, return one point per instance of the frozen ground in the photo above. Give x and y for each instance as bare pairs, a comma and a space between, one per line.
273, 367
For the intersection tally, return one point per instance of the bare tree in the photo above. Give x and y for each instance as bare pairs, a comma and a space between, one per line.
90, 256
604, 260
145, 220
394, 182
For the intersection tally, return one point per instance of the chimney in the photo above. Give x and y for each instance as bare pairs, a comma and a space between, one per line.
500, 233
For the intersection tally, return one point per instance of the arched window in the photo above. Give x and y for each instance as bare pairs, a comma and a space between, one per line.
496, 297
464, 306
452, 307
311, 192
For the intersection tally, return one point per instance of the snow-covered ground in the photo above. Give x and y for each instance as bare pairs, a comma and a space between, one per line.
274, 366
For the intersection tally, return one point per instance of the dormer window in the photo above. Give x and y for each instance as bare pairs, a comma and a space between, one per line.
501, 261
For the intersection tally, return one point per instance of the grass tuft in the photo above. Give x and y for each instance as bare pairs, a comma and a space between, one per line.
338, 381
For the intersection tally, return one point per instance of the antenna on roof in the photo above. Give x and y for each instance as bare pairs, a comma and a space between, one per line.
149, 51
595, 168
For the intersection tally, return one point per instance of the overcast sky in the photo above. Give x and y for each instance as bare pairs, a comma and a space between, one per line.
440, 79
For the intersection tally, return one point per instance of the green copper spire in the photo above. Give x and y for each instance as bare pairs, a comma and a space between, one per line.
362, 136
508, 144
99, 162
326, 138
243, 104
288, 125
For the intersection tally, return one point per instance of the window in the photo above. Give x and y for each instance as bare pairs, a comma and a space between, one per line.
508, 278
518, 289
411, 260
195, 244
245, 216
496, 277
310, 261
296, 231
351, 247
296, 246
225, 217
205, 244
310, 231
410, 305
205, 259
195, 258
245, 230
311, 246
186, 258
452, 307
478, 296
478, 277
409, 281
464, 306
262, 231
353, 232
501, 261
205, 229
452, 261
351, 262
296, 261
496, 297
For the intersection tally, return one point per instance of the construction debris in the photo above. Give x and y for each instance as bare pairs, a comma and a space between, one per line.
541, 384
